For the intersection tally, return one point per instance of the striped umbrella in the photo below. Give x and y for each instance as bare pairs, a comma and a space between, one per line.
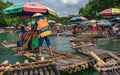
104, 22
115, 19
110, 11
33, 22
28, 9
78, 19
51, 21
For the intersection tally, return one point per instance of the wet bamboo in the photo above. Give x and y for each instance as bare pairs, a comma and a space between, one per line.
96, 57
50, 70
114, 56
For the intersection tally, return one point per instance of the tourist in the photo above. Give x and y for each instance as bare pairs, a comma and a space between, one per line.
74, 30
43, 30
21, 36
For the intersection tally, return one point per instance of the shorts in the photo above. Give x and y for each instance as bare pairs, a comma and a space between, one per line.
41, 40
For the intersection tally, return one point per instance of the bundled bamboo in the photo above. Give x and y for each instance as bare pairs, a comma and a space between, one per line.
110, 67
46, 67
67, 63
4, 67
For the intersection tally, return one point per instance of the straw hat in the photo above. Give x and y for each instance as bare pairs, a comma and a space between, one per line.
37, 14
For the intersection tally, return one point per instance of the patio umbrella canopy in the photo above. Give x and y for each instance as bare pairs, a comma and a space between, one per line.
57, 24
28, 9
33, 22
115, 19
110, 12
51, 21
78, 19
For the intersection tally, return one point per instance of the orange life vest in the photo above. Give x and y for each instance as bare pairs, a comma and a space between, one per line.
42, 23
94, 25
26, 36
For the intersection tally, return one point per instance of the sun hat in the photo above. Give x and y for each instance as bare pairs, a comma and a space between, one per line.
37, 14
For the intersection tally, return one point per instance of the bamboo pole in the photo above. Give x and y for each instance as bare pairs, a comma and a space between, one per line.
96, 57
114, 56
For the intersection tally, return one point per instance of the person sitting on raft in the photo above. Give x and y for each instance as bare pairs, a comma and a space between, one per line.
21, 36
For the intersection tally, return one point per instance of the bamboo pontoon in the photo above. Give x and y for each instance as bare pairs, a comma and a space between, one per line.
107, 62
67, 63
29, 68
87, 39
109, 67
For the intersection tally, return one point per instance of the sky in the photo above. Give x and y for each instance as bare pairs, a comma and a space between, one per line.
61, 7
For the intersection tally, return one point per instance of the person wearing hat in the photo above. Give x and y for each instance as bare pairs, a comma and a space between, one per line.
44, 31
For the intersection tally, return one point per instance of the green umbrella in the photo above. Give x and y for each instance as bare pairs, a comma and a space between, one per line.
33, 22
28, 9
51, 21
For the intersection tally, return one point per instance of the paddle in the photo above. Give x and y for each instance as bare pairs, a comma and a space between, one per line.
20, 53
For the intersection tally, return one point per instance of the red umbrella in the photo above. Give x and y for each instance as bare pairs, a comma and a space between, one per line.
110, 11
28, 9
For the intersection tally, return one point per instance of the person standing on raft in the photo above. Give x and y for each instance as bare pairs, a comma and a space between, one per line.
43, 30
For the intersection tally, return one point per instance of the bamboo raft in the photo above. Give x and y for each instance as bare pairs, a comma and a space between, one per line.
108, 67
29, 68
87, 39
86, 48
67, 63
108, 63
62, 34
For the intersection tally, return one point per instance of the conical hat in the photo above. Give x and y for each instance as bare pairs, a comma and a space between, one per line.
37, 14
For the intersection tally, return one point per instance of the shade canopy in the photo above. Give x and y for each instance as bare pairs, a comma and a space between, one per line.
33, 22
28, 9
77, 19
115, 19
110, 12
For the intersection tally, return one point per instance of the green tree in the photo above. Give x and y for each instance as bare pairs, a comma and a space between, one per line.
96, 6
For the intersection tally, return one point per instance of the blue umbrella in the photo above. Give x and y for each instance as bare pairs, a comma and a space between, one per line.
77, 19
115, 19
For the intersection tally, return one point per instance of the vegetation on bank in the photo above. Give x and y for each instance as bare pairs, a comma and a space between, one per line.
95, 6
90, 10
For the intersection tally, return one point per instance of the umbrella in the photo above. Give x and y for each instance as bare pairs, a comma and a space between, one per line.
104, 22
90, 22
28, 9
110, 11
51, 21
33, 22
58, 24
77, 19
115, 19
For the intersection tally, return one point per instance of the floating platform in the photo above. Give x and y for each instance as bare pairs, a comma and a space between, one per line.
107, 63
29, 68
67, 63
87, 39
62, 34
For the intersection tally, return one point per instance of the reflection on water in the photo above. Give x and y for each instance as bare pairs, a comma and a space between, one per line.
58, 43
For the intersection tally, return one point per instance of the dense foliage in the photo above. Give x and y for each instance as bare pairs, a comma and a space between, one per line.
95, 6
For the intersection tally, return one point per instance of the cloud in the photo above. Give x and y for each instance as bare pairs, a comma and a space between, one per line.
62, 7
73, 2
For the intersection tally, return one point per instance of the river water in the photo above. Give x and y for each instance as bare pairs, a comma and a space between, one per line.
58, 43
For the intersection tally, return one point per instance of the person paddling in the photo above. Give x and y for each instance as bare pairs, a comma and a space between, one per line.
43, 30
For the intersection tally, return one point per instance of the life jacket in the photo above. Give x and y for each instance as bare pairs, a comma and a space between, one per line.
94, 25
34, 35
42, 23
26, 36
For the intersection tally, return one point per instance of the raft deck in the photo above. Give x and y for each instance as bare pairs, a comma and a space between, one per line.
29, 68
107, 63
67, 63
